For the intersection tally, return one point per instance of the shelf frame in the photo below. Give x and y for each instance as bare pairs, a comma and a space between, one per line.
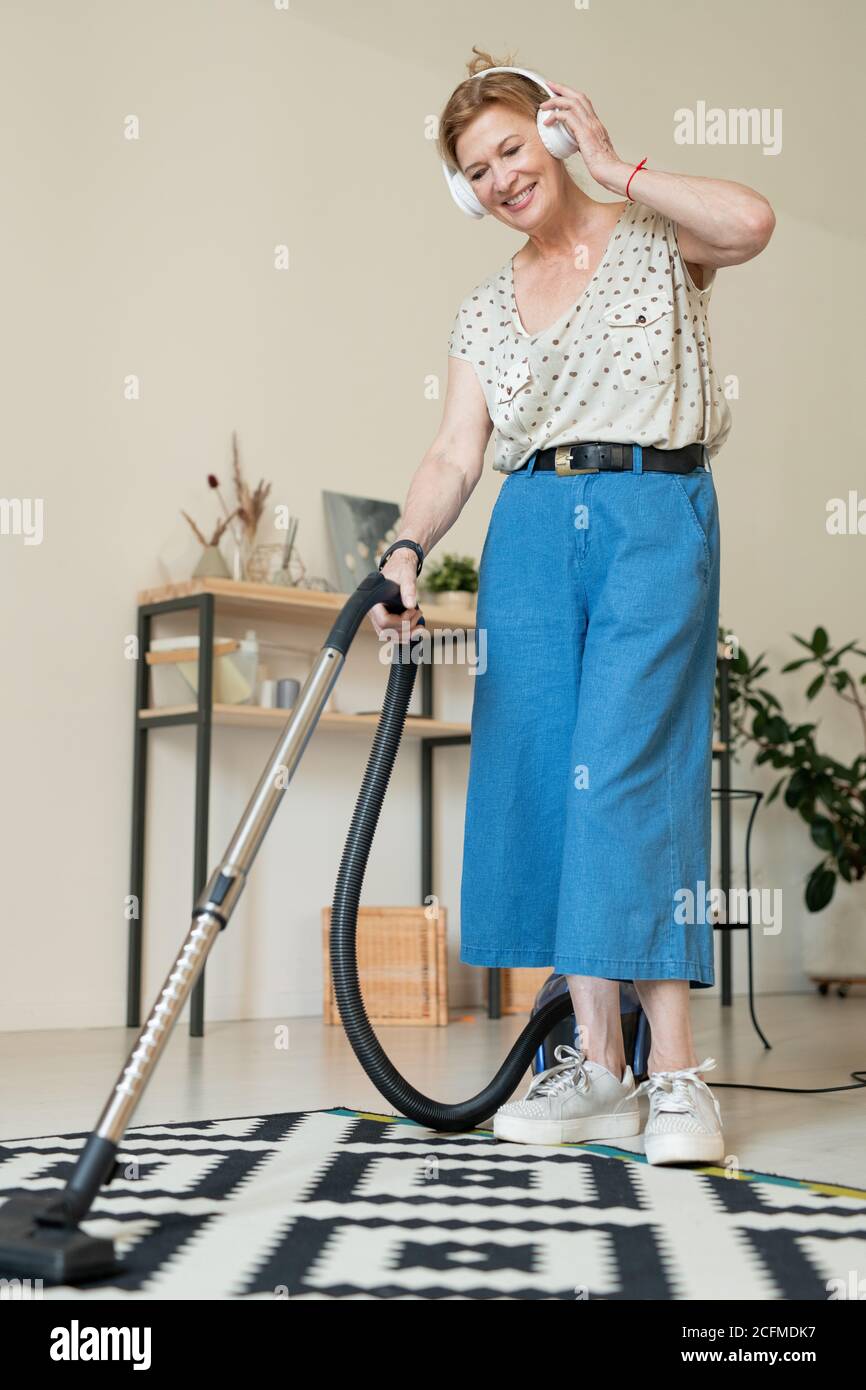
201, 716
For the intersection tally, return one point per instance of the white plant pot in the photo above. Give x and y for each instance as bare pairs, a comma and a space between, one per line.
451, 598
834, 941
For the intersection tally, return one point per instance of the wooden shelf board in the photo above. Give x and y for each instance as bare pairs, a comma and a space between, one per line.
256, 717
301, 605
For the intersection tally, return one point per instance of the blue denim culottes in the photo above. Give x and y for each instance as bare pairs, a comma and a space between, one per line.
590, 769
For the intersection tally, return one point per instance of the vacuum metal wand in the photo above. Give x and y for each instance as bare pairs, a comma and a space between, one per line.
219, 897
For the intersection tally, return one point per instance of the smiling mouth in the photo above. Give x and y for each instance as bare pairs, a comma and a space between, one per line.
519, 199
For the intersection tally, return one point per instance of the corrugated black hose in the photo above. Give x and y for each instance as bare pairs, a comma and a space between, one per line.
439, 1115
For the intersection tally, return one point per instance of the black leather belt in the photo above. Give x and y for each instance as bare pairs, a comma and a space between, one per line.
599, 456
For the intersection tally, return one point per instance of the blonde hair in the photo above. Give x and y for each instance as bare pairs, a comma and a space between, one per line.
477, 91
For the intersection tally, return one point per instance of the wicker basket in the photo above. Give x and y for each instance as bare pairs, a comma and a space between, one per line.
520, 986
402, 966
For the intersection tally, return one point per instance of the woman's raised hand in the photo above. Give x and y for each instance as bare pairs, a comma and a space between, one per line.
576, 111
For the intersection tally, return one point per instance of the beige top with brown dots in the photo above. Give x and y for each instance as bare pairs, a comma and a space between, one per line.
630, 362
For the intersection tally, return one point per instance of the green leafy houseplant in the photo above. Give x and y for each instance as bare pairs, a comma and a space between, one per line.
828, 795
453, 572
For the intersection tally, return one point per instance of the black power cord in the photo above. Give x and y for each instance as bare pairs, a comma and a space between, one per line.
793, 1090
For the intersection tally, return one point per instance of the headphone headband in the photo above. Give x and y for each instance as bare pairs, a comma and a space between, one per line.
523, 72
557, 140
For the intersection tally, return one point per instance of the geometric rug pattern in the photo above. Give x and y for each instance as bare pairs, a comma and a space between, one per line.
341, 1204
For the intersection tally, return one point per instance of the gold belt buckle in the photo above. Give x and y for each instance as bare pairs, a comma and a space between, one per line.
562, 459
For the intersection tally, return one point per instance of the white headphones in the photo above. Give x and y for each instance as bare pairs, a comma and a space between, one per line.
556, 138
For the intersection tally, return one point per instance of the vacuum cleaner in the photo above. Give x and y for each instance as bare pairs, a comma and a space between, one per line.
40, 1234
636, 1034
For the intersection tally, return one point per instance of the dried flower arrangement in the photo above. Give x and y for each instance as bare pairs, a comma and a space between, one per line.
251, 505
242, 522
218, 531
213, 482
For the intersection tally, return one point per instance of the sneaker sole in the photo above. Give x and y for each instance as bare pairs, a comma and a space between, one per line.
684, 1148
522, 1131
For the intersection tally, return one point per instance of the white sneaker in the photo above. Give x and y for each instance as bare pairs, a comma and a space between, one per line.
685, 1122
573, 1101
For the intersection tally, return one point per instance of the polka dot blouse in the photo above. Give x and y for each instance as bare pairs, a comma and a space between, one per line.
630, 361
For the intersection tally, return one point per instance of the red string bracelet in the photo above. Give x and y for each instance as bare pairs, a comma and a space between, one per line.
632, 174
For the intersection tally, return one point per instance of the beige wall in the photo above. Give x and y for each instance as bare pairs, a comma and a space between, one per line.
307, 127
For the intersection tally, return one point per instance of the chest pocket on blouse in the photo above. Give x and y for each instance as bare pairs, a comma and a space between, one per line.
642, 341
511, 409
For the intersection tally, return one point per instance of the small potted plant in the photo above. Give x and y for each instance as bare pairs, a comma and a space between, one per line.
454, 580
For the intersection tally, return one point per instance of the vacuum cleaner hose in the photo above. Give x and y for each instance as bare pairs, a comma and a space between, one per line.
438, 1115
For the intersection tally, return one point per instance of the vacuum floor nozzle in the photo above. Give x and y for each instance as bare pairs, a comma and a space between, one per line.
59, 1254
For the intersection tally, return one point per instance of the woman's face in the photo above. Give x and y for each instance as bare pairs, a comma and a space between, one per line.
507, 167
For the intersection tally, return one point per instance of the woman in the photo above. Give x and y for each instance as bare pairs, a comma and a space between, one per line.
587, 831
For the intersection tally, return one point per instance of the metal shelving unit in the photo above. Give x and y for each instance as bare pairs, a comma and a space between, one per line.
310, 608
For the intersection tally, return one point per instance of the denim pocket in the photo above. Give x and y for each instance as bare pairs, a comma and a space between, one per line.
698, 494
502, 486
494, 509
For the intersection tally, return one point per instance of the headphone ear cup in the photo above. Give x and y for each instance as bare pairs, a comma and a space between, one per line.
557, 138
461, 192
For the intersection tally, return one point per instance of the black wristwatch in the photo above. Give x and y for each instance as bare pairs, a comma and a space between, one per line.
413, 545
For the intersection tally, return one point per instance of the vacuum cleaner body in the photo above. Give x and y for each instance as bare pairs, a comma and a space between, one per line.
635, 1027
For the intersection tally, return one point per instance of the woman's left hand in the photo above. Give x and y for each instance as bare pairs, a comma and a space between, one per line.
575, 110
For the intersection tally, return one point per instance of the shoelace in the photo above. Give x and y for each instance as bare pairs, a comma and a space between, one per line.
676, 1086
560, 1078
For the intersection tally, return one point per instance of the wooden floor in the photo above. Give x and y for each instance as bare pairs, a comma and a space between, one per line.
56, 1082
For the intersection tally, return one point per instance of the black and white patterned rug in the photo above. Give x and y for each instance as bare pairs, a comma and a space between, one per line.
341, 1204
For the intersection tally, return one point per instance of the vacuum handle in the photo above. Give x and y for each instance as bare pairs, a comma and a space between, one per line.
373, 589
